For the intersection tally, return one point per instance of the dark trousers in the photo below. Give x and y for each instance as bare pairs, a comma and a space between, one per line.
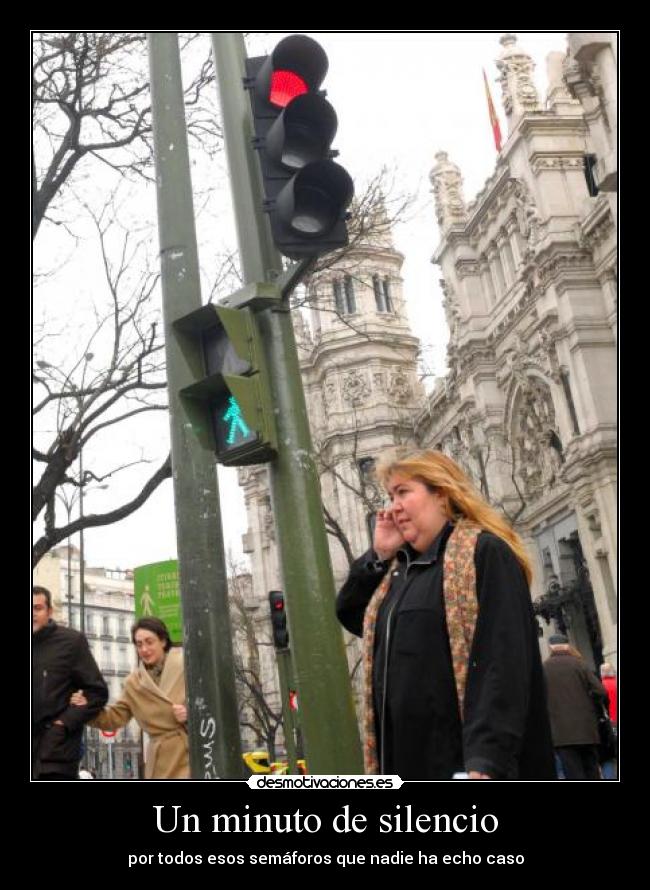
579, 762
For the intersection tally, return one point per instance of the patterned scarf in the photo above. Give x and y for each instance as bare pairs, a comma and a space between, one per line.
461, 608
155, 671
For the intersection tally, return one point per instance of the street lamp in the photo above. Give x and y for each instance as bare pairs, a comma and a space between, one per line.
87, 358
69, 504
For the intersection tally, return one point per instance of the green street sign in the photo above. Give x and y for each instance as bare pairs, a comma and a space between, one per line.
157, 594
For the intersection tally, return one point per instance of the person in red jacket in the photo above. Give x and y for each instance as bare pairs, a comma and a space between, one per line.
609, 681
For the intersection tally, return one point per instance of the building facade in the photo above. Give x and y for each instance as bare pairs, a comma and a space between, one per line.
529, 271
529, 403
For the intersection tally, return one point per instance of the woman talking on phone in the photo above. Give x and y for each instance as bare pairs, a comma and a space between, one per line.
452, 670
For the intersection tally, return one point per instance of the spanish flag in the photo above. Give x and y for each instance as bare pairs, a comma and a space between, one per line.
494, 120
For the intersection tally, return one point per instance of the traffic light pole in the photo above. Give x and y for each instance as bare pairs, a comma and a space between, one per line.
285, 676
215, 747
328, 719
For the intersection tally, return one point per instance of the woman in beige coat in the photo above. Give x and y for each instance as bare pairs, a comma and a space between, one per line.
155, 695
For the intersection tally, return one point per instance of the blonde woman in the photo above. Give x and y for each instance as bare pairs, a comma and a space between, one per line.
452, 669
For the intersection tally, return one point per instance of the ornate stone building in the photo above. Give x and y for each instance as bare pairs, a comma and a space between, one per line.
529, 273
529, 276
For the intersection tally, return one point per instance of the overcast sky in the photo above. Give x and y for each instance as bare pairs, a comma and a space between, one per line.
400, 98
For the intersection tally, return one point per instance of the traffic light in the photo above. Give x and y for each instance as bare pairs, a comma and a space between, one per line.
229, 403
307, 193
278, 620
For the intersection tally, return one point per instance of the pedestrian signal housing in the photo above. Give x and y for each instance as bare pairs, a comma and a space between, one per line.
229, 403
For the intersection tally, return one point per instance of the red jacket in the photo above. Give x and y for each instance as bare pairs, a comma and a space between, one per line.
611, 686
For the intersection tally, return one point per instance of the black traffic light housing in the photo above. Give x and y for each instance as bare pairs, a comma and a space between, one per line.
278, 619
307, 193
229, 402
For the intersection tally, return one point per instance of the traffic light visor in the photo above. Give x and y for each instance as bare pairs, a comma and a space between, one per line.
303, 133
297, 65
316, 198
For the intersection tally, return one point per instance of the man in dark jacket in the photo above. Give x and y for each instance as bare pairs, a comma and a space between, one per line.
573, 695
61, 663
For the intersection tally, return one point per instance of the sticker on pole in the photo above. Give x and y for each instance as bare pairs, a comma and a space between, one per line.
156, 593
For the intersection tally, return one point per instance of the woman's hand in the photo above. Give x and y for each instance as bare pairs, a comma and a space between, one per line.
473, 774
180, 712
387, 538
78, 699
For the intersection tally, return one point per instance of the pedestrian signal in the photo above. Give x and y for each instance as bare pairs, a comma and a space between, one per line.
229, 403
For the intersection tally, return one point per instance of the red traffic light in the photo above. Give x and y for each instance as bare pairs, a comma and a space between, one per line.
285, 86
305, 193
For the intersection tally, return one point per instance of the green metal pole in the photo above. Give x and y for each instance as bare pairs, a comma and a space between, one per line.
215, 747
328, 719
284, 674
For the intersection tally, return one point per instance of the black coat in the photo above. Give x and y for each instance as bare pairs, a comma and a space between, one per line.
61, 663
506, 731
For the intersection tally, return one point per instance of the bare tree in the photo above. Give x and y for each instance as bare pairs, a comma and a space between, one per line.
91, 100
111, 376
259, 700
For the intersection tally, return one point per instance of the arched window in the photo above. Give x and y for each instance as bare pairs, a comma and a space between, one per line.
337, 286
381, 287
344, 299
350, 302
379, 294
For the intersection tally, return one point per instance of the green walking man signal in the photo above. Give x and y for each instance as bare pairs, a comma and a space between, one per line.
236, 423
229, 401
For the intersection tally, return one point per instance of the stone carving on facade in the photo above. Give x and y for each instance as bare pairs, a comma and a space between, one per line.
399, 387
517, 360
597, 227
448, 192
519, 93
451, 307
538, 446
462, 447
559, 264
558, 91
378, 380
329, 394
558, 162
528, 218
355, 388
545, 354
583, 82
267, 525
